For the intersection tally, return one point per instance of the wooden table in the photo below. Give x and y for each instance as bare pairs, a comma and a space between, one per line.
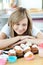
21, 61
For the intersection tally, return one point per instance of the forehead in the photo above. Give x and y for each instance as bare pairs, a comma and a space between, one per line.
23, 21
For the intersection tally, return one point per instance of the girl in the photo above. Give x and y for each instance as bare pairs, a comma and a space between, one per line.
19, 27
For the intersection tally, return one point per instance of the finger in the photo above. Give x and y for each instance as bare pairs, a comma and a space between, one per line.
29, 37
21, 42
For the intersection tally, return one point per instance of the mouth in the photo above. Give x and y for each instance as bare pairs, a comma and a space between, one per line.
20, 31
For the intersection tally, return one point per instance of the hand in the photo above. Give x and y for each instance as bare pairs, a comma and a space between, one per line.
21, 42
18, 43
26, 37
23, 39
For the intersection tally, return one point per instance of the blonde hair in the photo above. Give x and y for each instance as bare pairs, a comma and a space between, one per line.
18, 15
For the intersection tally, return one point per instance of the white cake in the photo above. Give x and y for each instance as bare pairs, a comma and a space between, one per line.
12, 52
28, 43
19, 51
26, 49
34, 46
18, 48
22, 46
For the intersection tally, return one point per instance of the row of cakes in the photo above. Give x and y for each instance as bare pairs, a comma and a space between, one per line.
26, 50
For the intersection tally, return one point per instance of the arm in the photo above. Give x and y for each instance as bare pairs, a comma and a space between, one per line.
39, 35
5, 33
23, 41
3, 36
9, 42
6, 42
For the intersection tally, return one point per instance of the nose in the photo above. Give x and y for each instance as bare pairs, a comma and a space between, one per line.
20, 27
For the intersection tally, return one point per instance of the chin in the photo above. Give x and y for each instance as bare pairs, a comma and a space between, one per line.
20, 33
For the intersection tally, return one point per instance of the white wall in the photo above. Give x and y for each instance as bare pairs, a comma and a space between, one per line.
31, 3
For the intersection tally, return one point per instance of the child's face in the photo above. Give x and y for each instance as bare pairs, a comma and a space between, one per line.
21, 26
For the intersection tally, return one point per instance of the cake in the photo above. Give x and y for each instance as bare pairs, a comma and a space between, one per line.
12, 52
1, 51
29, 55
34, 49
19, 51
28, 44
26, 49
22, 46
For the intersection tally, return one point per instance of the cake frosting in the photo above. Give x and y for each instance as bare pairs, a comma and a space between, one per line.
28, 53
26, 48
19, 51
18, 48
12, 51
23, 45
28, 44
34, 46
34, 49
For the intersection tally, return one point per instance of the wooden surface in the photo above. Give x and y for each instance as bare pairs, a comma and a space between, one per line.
21, 61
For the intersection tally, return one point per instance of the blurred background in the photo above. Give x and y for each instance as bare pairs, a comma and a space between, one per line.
34, 7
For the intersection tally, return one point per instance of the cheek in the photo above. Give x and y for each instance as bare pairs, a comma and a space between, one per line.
15, 27
25, 28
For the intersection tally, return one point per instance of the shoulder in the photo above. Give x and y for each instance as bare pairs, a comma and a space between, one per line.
5, 27
35, 30
5, 30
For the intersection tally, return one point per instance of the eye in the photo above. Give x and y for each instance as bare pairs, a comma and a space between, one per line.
18, 24
24, 24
